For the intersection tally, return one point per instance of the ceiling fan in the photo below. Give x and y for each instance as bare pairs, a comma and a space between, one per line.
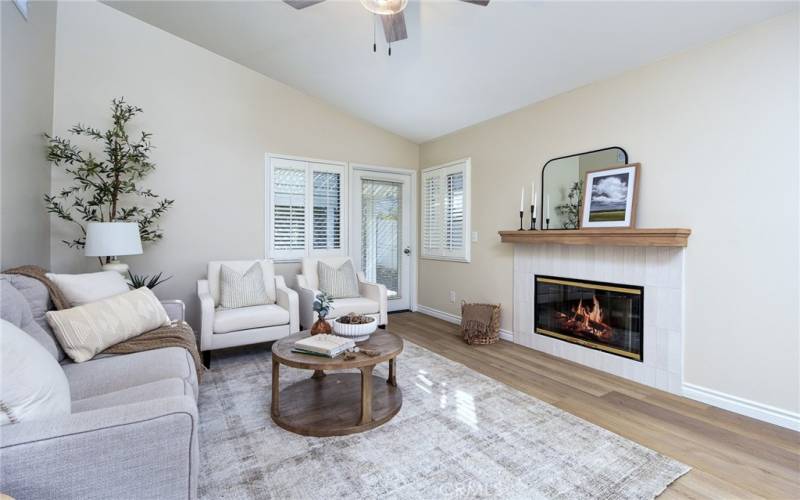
390, 12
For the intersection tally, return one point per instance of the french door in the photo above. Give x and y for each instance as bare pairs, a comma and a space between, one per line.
381, 230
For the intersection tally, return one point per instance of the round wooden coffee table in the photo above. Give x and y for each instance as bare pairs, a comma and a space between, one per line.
331, 404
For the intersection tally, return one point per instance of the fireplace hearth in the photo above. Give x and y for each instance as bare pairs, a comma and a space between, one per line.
603, 316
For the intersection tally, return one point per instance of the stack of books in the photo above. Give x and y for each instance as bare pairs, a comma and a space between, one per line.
328, 346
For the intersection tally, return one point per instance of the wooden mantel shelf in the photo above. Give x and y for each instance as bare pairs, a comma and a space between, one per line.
636, 237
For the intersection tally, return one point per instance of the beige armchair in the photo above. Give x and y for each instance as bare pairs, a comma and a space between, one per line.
373, 300
221, 328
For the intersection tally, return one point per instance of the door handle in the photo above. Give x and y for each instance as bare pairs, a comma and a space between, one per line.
407, 250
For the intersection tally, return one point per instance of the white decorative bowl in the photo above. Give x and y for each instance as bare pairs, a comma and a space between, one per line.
358, 333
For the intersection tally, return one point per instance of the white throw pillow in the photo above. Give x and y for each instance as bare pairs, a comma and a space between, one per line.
339, 283
242, 290
82, 289
33, 384
87, 330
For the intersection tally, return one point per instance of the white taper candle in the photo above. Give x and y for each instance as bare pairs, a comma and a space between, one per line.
522, 200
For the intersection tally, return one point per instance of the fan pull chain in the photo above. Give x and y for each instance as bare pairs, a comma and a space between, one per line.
374, 45
390, 49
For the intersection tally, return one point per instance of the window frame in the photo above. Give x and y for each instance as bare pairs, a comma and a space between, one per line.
310, 165
464, 166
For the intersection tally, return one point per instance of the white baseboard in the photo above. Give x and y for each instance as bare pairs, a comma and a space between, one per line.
760, 411
452, 318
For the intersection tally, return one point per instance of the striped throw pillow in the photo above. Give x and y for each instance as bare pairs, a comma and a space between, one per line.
242, 290
338, 283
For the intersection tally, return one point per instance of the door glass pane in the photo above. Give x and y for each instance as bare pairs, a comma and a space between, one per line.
381, 214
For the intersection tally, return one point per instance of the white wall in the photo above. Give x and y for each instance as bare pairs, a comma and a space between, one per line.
28, 51
716, 131
212, 122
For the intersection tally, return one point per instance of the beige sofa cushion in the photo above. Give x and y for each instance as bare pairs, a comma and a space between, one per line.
246, 318
241, 266
87, 330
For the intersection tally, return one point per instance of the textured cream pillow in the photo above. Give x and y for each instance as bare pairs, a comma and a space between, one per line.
242, 290
87, 330
339, 283
82, 289
33, 384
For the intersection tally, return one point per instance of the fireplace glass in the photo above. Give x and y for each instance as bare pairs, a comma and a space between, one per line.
603, 316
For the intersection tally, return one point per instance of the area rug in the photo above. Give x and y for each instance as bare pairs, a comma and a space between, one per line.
459, 434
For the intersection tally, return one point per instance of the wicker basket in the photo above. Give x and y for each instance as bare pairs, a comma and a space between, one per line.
480, 323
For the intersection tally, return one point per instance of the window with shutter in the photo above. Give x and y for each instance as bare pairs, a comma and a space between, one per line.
327, 210
289, 209
445, 209
306, 201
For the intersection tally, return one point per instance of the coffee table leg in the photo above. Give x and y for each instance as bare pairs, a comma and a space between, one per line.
276, 387
366, 395
392, 380
318, 374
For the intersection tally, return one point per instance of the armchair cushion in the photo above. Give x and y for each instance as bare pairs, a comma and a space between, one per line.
241, 290
241, 266
310, 264
246, 318
359, 305
339, 283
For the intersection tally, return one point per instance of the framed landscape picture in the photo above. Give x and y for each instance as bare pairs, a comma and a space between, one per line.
609, 198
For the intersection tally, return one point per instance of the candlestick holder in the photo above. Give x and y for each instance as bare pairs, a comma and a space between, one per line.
547, 220
521, 215
533, 217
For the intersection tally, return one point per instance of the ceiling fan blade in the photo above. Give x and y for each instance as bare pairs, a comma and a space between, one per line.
482, 3
394, 27
302, 4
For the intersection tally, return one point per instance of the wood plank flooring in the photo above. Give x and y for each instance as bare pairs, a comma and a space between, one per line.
732, 456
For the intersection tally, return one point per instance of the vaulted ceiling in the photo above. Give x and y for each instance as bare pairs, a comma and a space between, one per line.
461, 63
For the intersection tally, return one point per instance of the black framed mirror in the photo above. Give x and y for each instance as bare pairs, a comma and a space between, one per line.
562, 183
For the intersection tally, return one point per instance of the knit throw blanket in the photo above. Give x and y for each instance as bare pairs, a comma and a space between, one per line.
477, 320
176, 334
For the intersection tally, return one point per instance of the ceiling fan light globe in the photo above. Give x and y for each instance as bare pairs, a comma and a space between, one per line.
384, 7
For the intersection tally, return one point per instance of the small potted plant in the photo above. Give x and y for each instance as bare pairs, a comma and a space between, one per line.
322, 306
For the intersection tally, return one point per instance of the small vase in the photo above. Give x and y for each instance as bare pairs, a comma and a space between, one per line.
320, 326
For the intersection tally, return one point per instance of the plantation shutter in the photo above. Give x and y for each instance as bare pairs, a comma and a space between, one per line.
445, 212
289, 210
431, 228
454, 213
307, 208
327, 230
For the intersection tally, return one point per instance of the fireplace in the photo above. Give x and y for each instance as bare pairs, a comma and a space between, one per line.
603, 316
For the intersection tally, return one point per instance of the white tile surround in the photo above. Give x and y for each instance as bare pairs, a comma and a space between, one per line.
659, 269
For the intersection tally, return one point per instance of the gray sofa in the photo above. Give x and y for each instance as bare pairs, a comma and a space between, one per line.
133, 428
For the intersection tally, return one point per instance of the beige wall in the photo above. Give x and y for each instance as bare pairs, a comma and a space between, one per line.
716, 131
212, 122
28, 49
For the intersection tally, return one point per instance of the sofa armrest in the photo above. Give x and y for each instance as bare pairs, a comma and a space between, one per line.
146, 449
306, 296
176, 309
288, 299
376, 292
206, 315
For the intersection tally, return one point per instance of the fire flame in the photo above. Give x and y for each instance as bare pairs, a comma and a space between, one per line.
594, 314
